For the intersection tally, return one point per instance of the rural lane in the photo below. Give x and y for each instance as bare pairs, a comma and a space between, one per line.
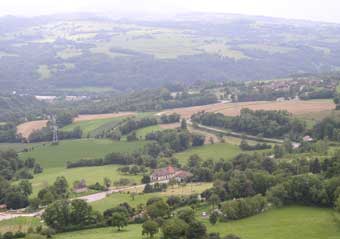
89, 198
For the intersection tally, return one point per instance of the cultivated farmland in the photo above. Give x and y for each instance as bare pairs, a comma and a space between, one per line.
296, 107
25, 129
102, 116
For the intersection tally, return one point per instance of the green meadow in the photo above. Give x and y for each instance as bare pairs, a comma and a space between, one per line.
141, 133
20, 147
90, 174
130, 232
93, 127
54, 158
18, 224
286, 223
141, 198
211, 151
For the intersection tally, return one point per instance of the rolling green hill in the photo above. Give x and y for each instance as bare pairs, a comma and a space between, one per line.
87, 52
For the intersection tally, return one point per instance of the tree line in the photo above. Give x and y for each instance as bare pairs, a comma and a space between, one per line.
262, 123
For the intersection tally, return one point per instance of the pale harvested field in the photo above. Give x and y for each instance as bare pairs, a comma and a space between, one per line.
27, 128
296, 107
80, 118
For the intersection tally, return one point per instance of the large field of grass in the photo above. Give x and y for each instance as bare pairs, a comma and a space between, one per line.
18, 224
54, 156
90, 174
54, 159
141, 133
92, 127
130, 232
211, 151
287, 223
141, 198
20, 147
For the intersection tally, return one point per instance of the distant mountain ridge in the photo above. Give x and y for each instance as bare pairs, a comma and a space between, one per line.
67, 51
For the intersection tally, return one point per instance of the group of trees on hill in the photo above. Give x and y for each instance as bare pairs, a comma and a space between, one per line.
12, 168
15, 196
133, 124
173, 140
273, 124
171, 118
8, 133
309, 182
244, 145
17, 108
328, 128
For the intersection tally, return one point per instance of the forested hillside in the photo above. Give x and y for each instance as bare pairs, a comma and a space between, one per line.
85, 51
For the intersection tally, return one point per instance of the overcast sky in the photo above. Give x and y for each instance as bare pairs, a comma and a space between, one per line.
317, 10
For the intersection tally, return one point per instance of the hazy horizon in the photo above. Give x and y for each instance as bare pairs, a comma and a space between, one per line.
313, 10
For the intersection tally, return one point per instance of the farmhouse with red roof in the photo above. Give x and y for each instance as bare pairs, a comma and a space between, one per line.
168, 173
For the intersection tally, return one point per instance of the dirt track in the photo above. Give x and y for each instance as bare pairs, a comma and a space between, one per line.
296, 107
27, 128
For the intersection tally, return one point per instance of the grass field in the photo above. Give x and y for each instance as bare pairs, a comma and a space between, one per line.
141, 133
54, 159
93, 127
90, 174
291, 222
130, 232
51, 156
211, 151
18, 224
117, 198
286, 223
20, 147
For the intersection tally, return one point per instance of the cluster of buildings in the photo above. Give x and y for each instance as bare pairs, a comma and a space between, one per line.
169, 173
